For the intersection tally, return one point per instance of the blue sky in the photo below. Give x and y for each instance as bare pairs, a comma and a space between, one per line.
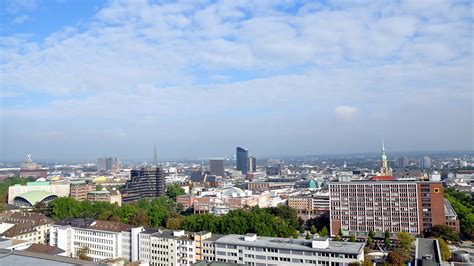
83, 79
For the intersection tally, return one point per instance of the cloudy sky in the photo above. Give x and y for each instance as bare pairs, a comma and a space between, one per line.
82, 79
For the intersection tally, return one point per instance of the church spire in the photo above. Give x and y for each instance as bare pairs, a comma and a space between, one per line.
155, 158
384, 169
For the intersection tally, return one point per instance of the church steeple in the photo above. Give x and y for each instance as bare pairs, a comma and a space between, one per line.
384, 169
155, 158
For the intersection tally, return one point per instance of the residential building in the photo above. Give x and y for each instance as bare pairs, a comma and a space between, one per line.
105, 196
217, 167
80, 188
360, 206
313, 203
27, 226
403, 162
56, 189
242, 156
251, 249
144, 183
204, 245
186, 201
106, 164
105, 239
425, 162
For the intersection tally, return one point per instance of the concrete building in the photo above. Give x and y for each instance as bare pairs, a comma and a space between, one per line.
403, 162
252, 164
425, 162
59, 190
242, 156
107, 164
427, 252
359, 206
105, 196
27, 226
167, 247
217, 167
79, 189
105, 239
313, 203
253, 250
144, 183
229, 199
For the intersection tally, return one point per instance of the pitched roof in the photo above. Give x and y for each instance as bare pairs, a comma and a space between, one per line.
44, 249
110, 226
24, 222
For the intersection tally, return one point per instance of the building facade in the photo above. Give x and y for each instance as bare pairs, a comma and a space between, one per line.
106, 164
144, 183
60, 190
217, 167
252, 164
360, 206
105, 239
253, 250
242, 157
26, 226
79, 189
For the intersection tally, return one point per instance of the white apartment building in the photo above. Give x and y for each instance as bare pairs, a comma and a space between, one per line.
105, 239
263, 251
167, 247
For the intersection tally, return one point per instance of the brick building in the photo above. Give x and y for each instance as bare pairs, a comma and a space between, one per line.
359, 206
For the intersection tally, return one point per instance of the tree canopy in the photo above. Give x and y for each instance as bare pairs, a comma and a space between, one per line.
464, 207
174, 190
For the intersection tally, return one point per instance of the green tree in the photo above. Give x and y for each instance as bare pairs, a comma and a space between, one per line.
337, 238
340, 232
464, 207
369, 241
98, 187
445, 232
174, 190
308, 236
140, 218
405, 245
295, 234
387, 238
371, 234
312, 230
82, 253
354, 263
302, 229
174, 222
445, 252
324, 232
352, 238
65, 207
394, 258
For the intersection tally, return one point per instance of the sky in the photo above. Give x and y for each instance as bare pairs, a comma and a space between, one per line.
84, 79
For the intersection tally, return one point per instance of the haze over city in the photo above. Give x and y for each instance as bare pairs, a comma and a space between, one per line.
85, 79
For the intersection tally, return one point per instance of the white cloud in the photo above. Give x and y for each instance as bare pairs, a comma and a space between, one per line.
21, 19
345, 112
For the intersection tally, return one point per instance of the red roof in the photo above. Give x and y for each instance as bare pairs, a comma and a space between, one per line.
383, 178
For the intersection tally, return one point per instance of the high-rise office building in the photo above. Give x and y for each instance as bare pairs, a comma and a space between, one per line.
242, 156
360, 206
217, 167
106, 164
144, 183
252, 164
425, 162
403, 162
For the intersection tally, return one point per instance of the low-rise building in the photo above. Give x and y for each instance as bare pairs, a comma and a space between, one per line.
47, 188
251, 249
80, 188
105, 196
27, 226
105, 239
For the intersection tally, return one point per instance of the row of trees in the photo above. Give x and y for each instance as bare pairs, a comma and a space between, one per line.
279, 221
464, 207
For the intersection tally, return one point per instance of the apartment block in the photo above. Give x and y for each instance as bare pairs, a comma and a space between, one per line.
26, 226
359, 206
79, 189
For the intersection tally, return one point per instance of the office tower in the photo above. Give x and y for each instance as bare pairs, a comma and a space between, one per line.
360, 206
242, 156
384, 169
252, 165
217, 167
107, 164
144, 183
403, 162
425, 162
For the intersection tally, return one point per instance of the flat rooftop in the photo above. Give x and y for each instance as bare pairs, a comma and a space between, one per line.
293, 244
22, 258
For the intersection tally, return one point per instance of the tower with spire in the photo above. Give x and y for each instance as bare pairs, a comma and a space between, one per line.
384, 169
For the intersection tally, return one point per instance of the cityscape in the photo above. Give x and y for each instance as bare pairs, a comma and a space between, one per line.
263, 133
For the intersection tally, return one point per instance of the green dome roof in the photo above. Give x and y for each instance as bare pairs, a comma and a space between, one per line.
34, 197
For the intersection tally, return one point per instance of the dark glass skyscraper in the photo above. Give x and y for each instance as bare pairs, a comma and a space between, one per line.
144, 183
242, 156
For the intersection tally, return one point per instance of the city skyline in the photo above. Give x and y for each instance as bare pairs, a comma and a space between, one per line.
114, 78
